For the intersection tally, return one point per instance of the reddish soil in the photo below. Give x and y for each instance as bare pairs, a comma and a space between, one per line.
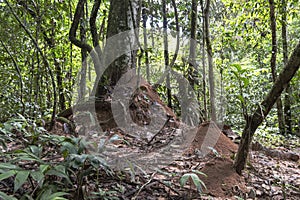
222, 180
210, 133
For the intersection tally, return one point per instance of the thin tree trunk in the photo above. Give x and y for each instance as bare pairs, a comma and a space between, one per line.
166, 53
203, 63
83, 72
151, 22
145, 19
273, 65
210, 63
264, 108
288, 92
193, 69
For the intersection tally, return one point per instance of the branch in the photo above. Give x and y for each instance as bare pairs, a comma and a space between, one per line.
74, 27
93, 26
177, 35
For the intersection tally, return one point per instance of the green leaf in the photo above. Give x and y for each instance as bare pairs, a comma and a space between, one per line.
238, 67
59, 171
245, 81
236, 74
241, 98
20, 179
198, 183
38, 176
184, 179
198, 172
6, 197
7, 174
194, 177
9, 166
36, 150
57, 196
44, 168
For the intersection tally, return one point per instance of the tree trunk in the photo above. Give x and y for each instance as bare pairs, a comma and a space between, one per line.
119, 20
193, 69
166, 53
264, 108
288, 92
84, 54
210, 63
203, 64
145, 19
273, 65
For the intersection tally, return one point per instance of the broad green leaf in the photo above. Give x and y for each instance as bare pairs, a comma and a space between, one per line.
9, 166
36, 150
38, 176
7, 174
44, 168
194, 177
184, 179
198, 183
59, 171
237, 66
236, 74
20, 179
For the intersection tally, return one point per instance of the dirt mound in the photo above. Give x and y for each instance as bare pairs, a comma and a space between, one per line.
210, 139
215, 149
143, 106
142, 102
222, 180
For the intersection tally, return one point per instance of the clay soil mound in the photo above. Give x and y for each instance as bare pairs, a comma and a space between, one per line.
209, 138
213, 147
140, 104
222, 180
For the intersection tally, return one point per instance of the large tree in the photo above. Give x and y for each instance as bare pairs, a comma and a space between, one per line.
121, 18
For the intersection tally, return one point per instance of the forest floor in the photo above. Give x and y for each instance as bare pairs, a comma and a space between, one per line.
271, 173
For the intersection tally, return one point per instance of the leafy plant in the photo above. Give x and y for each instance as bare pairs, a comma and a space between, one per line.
193, 178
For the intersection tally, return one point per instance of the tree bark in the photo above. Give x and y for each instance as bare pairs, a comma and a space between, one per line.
120, 19
145, 19
210, 63
288, 92
193, 69
264, 108
273, 64
166, 53
203, 64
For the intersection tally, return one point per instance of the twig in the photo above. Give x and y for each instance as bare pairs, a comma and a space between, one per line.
144, 185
